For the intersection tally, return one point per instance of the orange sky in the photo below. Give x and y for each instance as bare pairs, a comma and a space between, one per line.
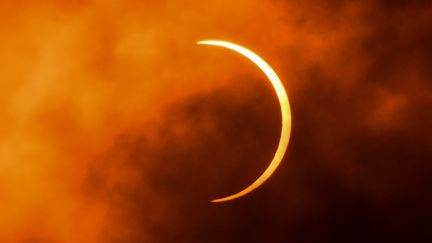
103, 105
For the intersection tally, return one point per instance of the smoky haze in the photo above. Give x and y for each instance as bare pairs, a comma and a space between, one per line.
117, 127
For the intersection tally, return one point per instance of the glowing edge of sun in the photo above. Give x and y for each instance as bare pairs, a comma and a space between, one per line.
285, 111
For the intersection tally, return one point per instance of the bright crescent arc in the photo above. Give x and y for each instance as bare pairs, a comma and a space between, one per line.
285, 111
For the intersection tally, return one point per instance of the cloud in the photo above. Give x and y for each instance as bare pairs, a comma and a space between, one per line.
116, 127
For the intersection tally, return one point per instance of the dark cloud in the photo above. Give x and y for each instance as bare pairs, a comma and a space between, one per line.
125, 142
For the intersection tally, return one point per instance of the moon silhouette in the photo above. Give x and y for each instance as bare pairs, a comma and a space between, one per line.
284, 107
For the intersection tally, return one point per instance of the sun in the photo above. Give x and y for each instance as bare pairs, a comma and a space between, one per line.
284, 108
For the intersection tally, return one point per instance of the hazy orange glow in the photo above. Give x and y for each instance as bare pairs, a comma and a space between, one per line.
116, 127
284, 107
76, 77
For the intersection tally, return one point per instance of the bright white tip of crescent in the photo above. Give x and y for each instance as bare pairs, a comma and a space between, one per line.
285, 111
